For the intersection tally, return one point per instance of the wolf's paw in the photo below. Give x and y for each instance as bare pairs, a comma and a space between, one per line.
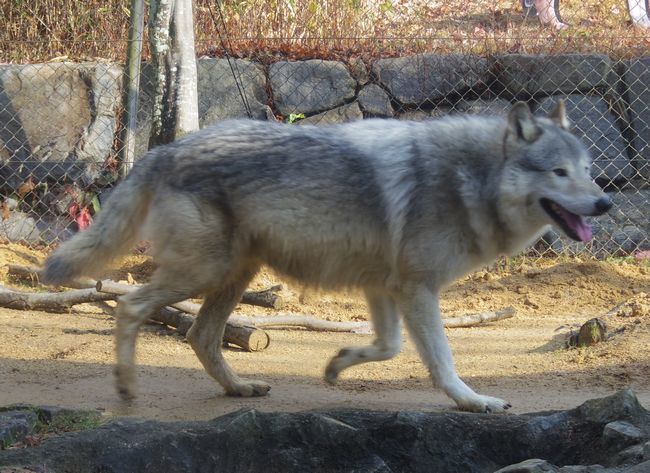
484, 404
338, 364
125, 382
249, 389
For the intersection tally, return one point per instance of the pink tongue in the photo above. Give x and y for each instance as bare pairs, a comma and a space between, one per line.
578, 225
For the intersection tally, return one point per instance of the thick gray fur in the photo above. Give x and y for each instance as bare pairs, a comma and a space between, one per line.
398, 209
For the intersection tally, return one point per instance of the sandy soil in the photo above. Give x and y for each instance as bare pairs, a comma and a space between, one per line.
66, 359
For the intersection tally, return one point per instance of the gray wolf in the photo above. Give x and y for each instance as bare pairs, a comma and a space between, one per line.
397, 209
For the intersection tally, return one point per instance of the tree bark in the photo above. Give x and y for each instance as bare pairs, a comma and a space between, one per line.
171, 35
160, 14
186, 95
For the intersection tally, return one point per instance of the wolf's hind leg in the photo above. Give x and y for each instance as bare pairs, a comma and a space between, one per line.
132, 310
386, 324
206, 335
422, 318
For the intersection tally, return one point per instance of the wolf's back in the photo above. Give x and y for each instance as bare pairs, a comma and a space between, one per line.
112, 234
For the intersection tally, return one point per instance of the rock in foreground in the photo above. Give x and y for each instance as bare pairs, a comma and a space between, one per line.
610, 432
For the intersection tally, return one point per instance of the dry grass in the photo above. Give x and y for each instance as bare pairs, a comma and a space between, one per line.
38, 30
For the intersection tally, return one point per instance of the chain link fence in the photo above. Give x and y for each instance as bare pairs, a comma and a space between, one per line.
61, 134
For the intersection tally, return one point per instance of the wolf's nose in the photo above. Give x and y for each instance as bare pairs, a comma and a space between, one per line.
603, 205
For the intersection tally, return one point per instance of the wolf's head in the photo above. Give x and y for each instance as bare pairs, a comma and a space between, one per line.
547, 174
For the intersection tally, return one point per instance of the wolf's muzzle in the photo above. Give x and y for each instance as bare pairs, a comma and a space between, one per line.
602, 205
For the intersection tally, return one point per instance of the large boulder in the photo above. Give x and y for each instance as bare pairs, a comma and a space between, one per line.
423, 78
530, 75
310, 86
637, 80
58, 121
344, 113
375, 102
595, 124
351, 441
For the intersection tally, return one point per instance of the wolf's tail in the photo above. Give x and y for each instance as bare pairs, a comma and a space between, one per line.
112, 234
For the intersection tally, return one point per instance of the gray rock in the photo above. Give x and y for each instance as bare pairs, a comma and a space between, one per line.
529, 75
637, 80
646, 451
220, 96
640, 468
358, 70
623, 405
430, 77
344, 440
15, 425
374, 101
631, 455
621, 434
58, 120
310, 86
495, 106
416, 115
534, 465
625, 228
587, 469
593, 122
344, 113
20, 227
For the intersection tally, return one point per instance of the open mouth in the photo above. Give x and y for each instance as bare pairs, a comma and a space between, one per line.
573, 225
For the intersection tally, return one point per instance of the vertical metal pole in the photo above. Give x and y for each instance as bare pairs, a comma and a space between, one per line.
132, 84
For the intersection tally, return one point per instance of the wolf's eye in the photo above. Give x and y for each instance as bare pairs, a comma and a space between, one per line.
559, 172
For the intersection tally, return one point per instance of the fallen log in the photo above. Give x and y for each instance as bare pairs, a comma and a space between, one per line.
246, 337
58, 302
266, 298
112, 289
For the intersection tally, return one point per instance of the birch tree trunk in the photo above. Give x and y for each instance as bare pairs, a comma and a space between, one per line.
171, 34
183, 53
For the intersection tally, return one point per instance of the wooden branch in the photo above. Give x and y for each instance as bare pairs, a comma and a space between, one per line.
302, 320
58, 302
266, 298
314, 323
471, 320
184, 321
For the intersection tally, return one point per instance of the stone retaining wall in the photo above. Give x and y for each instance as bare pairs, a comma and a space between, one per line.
58, 121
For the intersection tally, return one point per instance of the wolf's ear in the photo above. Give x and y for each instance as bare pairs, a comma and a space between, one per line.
522, 122
558, 115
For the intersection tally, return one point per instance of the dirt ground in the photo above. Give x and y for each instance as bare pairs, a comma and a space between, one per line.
66, 359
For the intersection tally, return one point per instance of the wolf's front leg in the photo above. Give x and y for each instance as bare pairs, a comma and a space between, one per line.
421, 312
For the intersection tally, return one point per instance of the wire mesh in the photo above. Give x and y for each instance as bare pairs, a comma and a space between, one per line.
60, 131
